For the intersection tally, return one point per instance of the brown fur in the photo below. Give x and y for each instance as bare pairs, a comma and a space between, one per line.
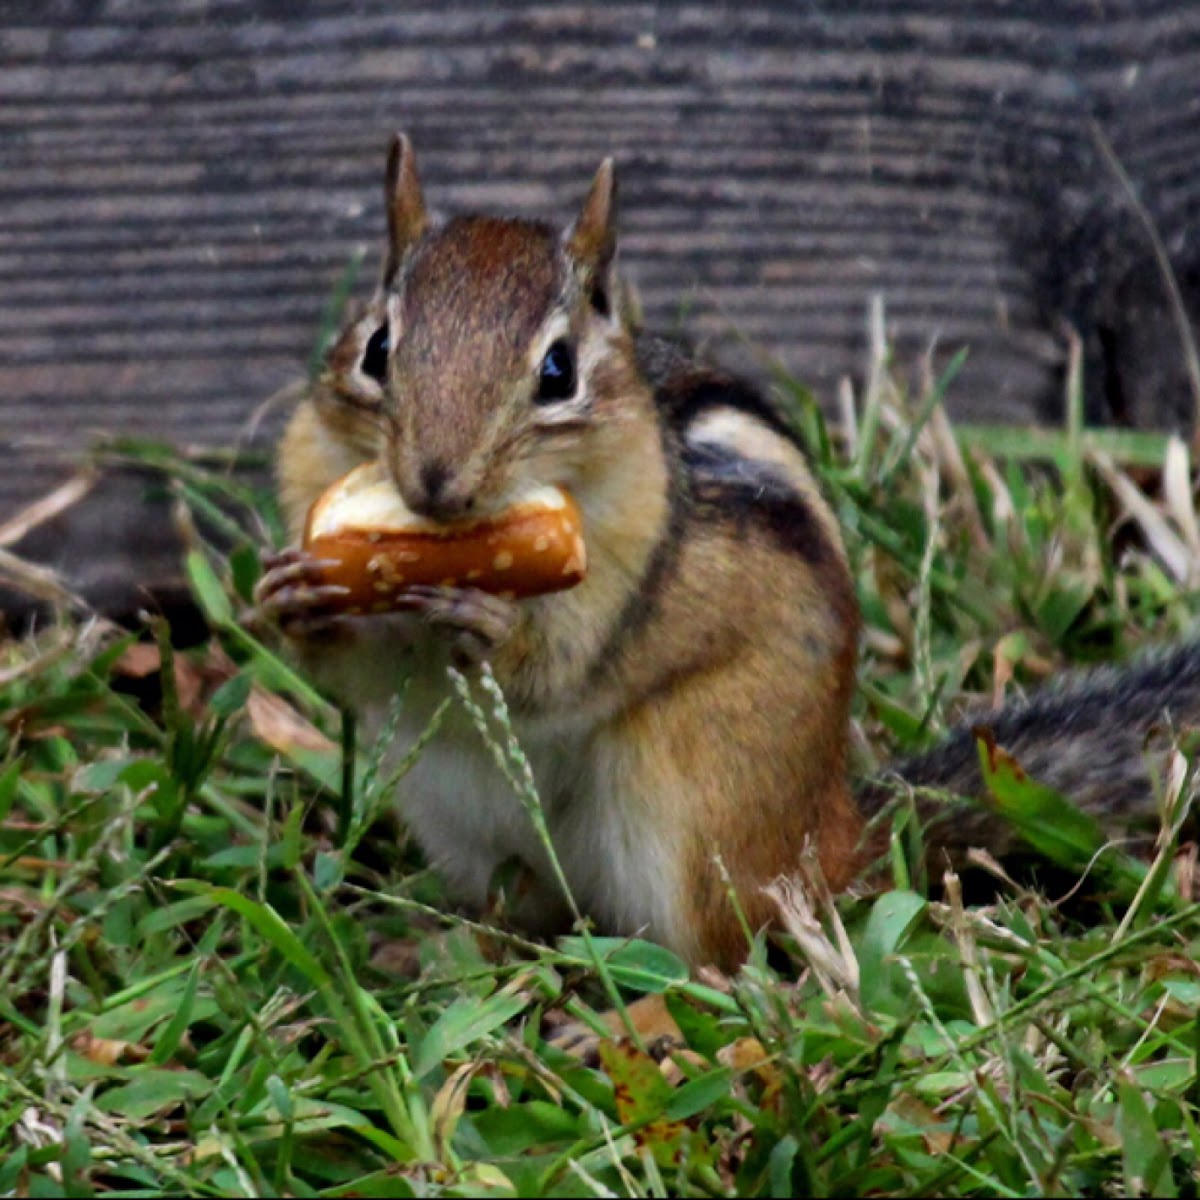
482, 284
715, 665
752, 655
709, 656
407, 219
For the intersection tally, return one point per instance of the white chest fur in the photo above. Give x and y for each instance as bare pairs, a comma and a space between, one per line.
617, 857
607, 809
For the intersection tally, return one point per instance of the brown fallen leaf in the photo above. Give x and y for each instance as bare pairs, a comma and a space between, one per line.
138, 661
108, 1051
640, 1093
275, 722
451, 1102
934, 1131
192, 681
748, 1056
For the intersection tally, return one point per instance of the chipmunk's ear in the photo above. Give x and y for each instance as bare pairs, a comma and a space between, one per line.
592, 240
405, 204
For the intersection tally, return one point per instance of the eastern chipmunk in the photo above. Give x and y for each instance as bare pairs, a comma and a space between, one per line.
691, 698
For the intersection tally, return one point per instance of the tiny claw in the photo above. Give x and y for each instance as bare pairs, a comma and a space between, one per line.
478, 620
324, 591
293, 594
317, 628
299, 598
421, 593
277, 560
289, 568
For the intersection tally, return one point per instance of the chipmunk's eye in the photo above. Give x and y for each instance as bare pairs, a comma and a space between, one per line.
374, 360
556, 376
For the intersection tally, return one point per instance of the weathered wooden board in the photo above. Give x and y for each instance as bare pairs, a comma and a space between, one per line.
181, 185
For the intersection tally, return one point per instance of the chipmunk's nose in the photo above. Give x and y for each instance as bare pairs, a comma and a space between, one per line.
438, 495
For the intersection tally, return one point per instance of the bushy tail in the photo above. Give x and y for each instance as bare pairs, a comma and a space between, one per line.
1089, 738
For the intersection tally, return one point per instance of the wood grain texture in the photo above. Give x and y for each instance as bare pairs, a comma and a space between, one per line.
182, 185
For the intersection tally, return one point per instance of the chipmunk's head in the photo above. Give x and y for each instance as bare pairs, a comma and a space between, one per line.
492, 348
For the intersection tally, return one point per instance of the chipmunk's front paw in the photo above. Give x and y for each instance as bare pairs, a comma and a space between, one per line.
478, 621
292, 594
